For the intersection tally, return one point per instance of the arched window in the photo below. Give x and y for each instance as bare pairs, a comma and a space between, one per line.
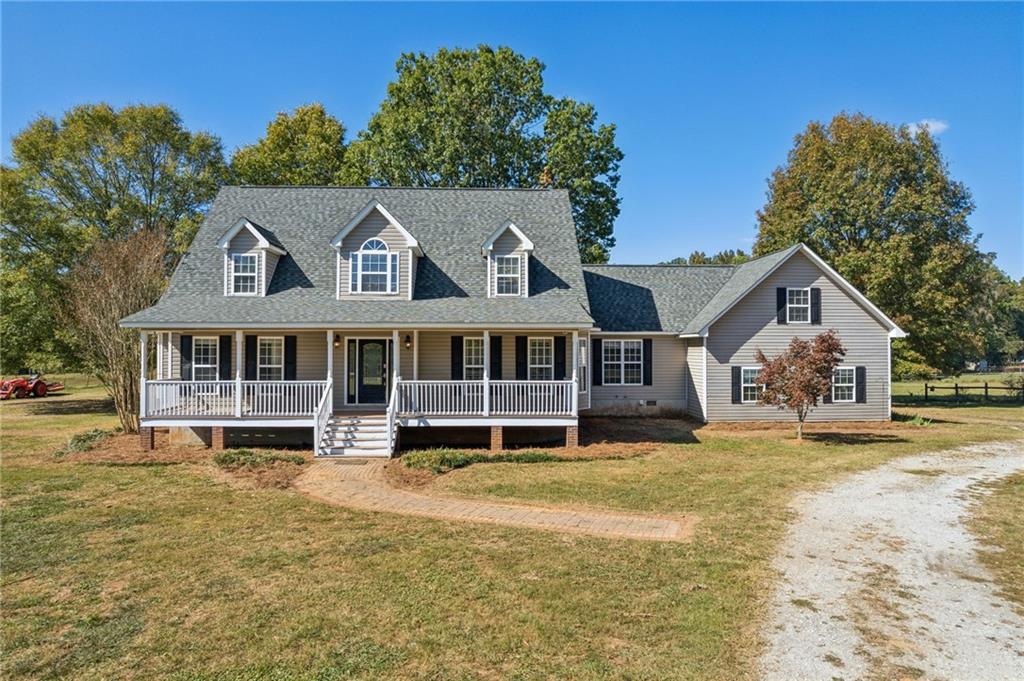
374, 269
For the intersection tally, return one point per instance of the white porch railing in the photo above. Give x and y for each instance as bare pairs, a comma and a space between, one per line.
221, 398
323, 416
466, 398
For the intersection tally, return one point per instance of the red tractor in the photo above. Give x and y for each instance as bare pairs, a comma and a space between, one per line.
31, 385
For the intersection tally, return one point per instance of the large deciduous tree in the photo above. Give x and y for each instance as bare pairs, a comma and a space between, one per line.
481, 118
305, 147
877, 202
115, 278
798, 377
98, 173
726, 257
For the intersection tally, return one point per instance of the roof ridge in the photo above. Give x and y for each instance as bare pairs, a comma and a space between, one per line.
658, 264
392, 187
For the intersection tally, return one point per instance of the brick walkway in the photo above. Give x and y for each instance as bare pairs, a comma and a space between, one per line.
362, 486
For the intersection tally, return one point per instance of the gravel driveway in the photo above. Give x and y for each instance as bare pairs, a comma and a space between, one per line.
881, 579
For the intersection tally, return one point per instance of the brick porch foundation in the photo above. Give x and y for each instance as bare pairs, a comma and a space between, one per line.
572, 436
217, 440
497, 438
146, 438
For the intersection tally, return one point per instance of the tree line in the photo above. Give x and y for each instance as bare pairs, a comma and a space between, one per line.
876, 201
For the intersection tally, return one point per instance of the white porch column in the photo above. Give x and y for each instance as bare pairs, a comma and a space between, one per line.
487, 373
239, 349
396, 357
143, 348
416, 355
330, 355
159, 355
575, 372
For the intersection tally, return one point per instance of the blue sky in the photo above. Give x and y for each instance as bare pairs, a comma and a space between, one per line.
706, 97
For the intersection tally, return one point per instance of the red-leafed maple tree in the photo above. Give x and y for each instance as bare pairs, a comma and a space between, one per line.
801, 375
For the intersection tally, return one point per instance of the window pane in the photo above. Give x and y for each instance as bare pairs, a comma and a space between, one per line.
583, 375
750, 376
271, 351
204, 374
799, 296
508, 264
374, 245
633, 373
613, 373
632, 351
541, 373
612, 351
271, 374
244, 283
750, 393
353, 272
394, 273
244, 264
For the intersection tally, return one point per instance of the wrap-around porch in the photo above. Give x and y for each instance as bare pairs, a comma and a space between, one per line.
276, 378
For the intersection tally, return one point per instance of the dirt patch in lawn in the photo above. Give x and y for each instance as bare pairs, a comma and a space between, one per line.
125, 450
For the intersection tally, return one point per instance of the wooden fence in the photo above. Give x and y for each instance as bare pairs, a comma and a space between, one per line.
964, 390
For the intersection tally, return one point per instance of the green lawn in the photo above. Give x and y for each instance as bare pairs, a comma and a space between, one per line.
143, 571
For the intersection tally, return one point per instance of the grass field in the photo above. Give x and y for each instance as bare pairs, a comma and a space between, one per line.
913, 391
172, 571
999, 520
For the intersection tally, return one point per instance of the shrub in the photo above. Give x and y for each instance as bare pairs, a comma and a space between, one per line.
83, 442
444, 460
247, 458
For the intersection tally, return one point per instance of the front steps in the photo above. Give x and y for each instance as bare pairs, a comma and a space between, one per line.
355, 435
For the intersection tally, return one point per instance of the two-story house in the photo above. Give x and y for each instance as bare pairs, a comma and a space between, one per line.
353, 314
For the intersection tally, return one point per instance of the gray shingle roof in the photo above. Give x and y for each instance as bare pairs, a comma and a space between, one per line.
674, 298
451, 280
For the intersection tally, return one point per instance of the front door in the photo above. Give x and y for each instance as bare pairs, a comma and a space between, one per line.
372, 364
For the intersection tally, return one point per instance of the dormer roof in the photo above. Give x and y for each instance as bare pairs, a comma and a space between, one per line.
488, 244
265, 238
375, 205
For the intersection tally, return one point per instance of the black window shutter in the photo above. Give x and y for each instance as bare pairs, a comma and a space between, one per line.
780, 305
559, 358
457, 374
596, 368
815, 306
185, 346
289, 358
520, 358
224, 358
648, 361
495, 372
250, 358
737, 383
861, 386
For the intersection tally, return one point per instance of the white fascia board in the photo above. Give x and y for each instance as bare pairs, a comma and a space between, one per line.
633, 333
341, 326
244, 223
376, 205
524, 242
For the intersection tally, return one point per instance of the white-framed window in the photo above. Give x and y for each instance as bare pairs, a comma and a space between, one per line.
541, 359
843, 382
243, 274
582, 373
750, 388
623, 362
270, 358
798, 305
473, 359
204, 358
506, 275
374, 269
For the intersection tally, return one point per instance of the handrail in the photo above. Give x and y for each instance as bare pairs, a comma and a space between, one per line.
504, 398
324, 410
392, 411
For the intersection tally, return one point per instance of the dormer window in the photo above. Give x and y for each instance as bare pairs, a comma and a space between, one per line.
374, 269
251, 254
507, 275
243, 274
507, 251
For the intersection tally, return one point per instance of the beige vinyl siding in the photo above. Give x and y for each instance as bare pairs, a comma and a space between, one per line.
374, 225
436, 352
310, 351
269, 267
752, 324
667, 380
695, 378
509, 244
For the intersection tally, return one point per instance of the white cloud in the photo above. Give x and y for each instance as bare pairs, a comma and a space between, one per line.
932, 125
